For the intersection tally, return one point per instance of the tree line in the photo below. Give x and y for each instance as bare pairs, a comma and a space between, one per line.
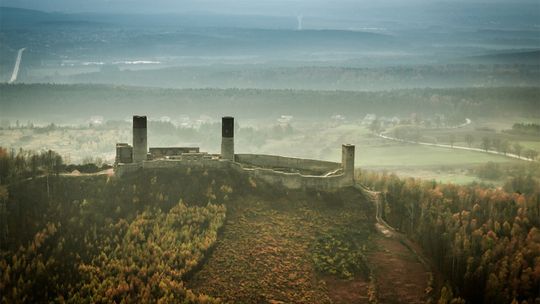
22, 164
46, 100
525, 128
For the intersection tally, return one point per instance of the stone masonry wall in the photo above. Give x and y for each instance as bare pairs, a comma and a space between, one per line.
274, 161
287, 180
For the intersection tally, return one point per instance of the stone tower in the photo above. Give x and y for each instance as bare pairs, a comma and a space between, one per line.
140, 146
227, 138
347, 160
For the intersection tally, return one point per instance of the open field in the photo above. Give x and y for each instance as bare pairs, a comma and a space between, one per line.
496, 128
531, 144
440, 164
410, 155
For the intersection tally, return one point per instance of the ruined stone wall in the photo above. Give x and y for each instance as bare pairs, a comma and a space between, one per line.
161, 152
299, 181
122, 169
287, 180
274, 161
124, 153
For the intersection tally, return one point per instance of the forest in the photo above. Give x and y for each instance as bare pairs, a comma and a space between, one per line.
43, 102
82, 239
484, 241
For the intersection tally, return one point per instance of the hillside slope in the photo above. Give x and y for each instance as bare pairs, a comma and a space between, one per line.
104, 237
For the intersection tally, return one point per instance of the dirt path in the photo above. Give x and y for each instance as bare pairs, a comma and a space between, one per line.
402, 271
401, 277
347, 292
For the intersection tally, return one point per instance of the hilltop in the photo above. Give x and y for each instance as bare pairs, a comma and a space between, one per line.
271, 244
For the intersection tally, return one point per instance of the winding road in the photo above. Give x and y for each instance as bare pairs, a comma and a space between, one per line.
468, 121
15, 73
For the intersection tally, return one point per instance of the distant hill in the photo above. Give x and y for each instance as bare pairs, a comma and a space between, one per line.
524, 57
11, 17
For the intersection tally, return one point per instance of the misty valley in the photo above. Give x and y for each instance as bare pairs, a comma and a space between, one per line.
272, 152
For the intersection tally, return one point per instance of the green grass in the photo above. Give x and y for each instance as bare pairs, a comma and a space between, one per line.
432, 163
411, 156
440, 164
535, 145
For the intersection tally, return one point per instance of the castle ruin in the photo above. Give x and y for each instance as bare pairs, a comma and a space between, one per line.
290, 172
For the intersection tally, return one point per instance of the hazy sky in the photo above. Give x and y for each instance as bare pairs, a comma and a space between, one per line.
266, 7
336, 14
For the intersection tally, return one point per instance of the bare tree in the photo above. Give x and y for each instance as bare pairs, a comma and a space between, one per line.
34, 164
530, 154
518, 149
496, 144
486, 143
504, 146
375, 126
469, 139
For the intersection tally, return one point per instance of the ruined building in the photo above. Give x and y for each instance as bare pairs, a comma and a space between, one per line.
292, 173
139, 152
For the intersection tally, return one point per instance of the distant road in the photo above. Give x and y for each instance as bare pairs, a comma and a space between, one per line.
466, 123
454, 147
17, 66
